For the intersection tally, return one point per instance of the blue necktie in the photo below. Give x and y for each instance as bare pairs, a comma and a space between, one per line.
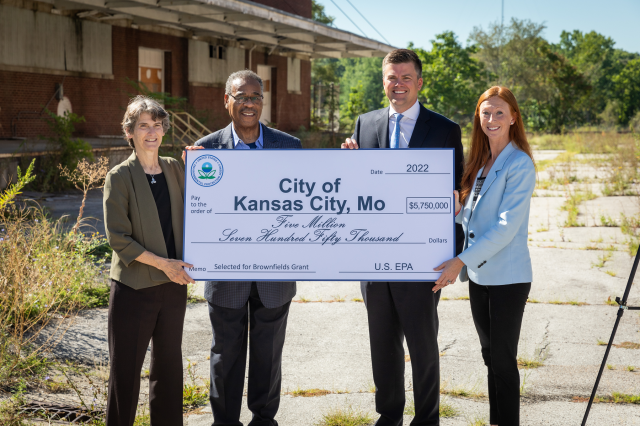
395, 139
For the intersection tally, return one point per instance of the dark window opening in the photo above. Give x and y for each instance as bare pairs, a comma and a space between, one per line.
217, 52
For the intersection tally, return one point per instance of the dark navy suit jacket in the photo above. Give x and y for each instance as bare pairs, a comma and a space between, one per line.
234, 294
432, 130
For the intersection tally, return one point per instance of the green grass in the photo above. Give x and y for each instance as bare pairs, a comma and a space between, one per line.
583, 142
607, 221
461, 391
568, 302
629, 345
525, 362
477, 421
630, 226
345, 417
193, 394
574, 198
614, 398
306, 393
604, 258
446, 409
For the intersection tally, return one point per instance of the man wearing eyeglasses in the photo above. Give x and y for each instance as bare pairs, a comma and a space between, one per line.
232, 303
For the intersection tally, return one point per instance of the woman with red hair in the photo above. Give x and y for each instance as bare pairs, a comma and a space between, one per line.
497, 184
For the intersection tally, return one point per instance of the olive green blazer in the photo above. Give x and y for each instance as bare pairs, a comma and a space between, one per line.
132, 222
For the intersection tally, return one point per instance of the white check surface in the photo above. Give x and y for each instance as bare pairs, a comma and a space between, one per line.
303, 215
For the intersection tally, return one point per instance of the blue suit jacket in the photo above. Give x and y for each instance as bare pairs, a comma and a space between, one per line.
496, 228
234, 294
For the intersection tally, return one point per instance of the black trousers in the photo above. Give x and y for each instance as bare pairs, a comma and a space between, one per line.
398, 310
497, 313
266, 330
136, 317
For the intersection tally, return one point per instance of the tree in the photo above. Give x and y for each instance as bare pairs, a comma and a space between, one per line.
509, 53
553, 93
359, 81
594, 56
318, 14
627, 91
453, 79
354, 107
325, 74
567, 92
366, 72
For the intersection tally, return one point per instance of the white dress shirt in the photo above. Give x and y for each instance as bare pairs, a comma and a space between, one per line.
407, 124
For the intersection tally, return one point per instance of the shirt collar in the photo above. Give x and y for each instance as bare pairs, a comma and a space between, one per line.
412, 113
237, 140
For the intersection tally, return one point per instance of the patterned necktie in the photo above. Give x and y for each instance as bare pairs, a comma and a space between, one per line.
395, 139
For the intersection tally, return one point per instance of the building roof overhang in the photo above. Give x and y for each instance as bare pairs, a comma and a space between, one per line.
243, 21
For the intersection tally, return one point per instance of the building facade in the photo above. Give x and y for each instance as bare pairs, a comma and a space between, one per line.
87, 56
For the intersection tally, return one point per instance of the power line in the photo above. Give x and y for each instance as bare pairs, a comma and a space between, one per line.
349, 18
374, 28
291, 7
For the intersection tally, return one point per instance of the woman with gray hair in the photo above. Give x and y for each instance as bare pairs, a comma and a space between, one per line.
143, 215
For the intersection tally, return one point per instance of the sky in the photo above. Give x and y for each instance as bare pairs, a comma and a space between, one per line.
420, 20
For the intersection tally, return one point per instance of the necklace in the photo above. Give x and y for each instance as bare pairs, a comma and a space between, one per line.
152, 178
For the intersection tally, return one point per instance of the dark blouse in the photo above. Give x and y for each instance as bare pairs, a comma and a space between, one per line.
478, 188
160, 191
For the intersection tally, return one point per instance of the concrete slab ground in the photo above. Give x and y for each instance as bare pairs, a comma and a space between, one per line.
327, 345
327, 348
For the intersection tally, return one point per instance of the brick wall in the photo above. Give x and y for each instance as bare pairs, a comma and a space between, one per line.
289, 111
102, 101
297, 7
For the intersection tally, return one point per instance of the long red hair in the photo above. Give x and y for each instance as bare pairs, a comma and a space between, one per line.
480, 150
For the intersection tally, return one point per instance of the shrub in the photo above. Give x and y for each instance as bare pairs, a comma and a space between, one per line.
67, 151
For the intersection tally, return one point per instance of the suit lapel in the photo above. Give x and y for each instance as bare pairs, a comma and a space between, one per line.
153, 240
383, 128
268, 139
226, 138
420, 131
177, 202
497, 166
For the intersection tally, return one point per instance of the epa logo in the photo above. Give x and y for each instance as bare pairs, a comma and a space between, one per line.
206, 170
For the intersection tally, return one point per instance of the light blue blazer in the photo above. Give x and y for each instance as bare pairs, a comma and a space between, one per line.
495, 246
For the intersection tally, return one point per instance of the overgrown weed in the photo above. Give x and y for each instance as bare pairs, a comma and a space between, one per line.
347, 416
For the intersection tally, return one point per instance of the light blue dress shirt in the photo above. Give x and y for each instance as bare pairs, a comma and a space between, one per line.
239, 144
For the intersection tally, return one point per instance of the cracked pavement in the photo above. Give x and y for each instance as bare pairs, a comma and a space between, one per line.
327, 344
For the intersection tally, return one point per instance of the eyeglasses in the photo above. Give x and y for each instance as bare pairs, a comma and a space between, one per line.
244, 99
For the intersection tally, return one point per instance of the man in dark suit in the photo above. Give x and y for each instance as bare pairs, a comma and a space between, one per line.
263, 305
398, 310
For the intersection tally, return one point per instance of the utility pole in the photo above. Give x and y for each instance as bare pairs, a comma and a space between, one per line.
501, 41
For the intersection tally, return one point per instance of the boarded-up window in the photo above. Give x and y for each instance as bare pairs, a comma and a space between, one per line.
52, 42
150, 68
206, 66
293, 75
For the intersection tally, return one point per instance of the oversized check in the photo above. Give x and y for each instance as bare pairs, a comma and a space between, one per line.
304, 215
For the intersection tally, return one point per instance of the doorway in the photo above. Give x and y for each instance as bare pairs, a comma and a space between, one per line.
151, 69
264, 72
